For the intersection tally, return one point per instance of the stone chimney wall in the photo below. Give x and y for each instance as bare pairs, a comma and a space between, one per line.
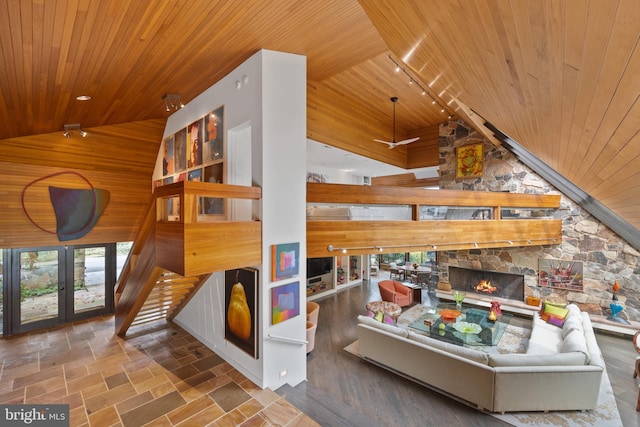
607, 257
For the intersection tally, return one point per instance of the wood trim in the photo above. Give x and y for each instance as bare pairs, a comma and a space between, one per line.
362, 237
373, 195
405, 180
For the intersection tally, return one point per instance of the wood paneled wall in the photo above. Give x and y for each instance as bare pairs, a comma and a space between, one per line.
351, 125
117, 158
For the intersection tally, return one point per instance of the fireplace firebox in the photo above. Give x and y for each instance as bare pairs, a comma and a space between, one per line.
489, 283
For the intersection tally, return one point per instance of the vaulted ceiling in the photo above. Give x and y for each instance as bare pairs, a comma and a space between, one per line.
559, 77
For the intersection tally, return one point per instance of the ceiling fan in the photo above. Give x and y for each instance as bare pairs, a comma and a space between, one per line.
395, 143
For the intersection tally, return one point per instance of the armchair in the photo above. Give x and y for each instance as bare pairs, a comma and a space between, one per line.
396, 292
313, 309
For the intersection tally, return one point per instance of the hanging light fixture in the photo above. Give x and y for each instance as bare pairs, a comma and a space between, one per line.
172, 101
75, 126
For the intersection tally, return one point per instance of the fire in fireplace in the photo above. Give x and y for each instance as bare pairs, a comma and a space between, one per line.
485, 287
493, 283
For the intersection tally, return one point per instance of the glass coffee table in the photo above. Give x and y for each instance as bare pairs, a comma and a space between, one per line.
469, 326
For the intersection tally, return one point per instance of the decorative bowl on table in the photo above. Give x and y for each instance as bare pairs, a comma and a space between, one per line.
449, 314
467, 328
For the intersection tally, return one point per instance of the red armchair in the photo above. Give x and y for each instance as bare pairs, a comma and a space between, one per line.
394, 291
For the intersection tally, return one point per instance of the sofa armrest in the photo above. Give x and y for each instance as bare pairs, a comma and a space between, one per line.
546, 388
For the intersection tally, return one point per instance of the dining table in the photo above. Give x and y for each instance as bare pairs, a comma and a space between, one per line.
410, 269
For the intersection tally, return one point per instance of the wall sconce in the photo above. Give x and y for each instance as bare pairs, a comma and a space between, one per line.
75, 126
172, 101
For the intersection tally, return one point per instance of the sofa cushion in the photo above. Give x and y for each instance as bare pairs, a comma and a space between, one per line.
576, 341
468, 353
545, 338
572, 323
559, 359
383, 326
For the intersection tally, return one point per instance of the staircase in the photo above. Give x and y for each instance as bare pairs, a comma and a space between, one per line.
167, 297
174, 255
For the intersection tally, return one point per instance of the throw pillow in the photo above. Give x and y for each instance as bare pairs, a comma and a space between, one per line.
555, 321
379, 316
552, 310
388, 320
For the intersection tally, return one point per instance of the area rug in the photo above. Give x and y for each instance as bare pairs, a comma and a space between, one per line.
604, 415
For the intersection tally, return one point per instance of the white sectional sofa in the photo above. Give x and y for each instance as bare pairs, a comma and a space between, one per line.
561, 369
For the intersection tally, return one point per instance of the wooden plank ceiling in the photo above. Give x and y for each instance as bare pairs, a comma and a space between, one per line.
559, 77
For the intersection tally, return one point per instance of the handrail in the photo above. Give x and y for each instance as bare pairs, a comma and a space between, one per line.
287, 339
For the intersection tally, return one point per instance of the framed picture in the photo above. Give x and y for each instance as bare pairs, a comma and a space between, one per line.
180, 150
194, 138
285, 302
214, 135
241, 309
469, 161
168, 165
560, 274
284, 260
212, 205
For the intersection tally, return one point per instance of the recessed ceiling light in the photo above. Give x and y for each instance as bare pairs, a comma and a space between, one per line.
83, 98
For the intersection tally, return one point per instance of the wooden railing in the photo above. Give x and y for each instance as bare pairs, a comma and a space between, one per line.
177, 238
195, 243
329, 237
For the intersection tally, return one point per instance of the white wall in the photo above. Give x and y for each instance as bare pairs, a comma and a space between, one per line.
271, 102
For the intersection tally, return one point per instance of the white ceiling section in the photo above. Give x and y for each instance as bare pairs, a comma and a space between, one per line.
325, 156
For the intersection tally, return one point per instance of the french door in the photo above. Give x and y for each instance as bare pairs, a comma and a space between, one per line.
55, 285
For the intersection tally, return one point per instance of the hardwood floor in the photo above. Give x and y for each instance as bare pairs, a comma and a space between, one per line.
343, 390
162, 376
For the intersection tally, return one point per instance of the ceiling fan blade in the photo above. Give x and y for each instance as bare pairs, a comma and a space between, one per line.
408, 141
384, 142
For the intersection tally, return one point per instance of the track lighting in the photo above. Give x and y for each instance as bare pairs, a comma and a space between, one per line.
412, 80
172, 101
75, 126
443, 246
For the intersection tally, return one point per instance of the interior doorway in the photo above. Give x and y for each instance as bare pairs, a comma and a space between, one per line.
55, 285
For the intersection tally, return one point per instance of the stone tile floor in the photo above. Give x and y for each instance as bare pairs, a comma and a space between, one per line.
159, 375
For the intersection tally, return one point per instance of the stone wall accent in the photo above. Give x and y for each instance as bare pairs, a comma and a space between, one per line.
607, 257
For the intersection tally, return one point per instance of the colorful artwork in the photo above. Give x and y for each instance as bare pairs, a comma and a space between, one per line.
195, 175
284, 260
180, 150
241, 309
561, 274
168, 163
195, 144
214, 135
213, 205
470, 161
77, 210
285, 302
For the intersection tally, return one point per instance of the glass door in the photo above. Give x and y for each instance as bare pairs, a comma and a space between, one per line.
50, 286
37, 294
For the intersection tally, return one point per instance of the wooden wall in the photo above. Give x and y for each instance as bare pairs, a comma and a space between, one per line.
118, 158
348, 124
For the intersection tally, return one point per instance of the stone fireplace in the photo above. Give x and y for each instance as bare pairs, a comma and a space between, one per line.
487, 283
